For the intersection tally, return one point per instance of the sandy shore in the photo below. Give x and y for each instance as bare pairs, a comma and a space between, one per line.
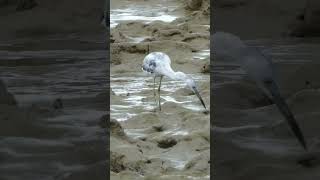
173, 143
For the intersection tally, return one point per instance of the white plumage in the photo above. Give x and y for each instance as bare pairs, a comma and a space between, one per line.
158, 64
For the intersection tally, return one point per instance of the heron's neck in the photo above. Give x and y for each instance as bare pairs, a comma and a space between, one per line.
174, 75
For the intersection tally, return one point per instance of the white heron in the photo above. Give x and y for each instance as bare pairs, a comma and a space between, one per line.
260, 69
158, 64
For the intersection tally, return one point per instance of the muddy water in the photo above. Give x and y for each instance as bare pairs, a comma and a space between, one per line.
54, 143
136, 90
249, 130
141, 11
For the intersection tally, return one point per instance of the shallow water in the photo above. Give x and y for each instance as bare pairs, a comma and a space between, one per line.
143, 12
37, 78
136, 90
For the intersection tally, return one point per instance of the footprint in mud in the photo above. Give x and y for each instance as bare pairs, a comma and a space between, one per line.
158, 128
167, 143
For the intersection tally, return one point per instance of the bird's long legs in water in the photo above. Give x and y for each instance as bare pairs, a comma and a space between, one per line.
154, 90
159, 92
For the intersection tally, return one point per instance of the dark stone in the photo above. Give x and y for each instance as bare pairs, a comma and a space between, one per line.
114, 127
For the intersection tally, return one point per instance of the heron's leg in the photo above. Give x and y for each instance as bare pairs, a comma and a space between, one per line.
154, 87
159, 92
154, 91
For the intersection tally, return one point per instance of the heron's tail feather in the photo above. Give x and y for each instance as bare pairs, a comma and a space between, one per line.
284, 109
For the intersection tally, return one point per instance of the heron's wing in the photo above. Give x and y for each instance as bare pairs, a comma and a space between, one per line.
155, 61
162, 58
284, 109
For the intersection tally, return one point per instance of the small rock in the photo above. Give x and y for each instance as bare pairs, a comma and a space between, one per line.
115, 128
206, 68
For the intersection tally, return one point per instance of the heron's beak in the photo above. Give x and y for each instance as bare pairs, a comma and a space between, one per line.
284, 109
200, 98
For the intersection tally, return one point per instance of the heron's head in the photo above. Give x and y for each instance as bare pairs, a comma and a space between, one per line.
191, 84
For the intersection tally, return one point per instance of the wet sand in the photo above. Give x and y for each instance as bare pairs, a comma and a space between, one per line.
173, 143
